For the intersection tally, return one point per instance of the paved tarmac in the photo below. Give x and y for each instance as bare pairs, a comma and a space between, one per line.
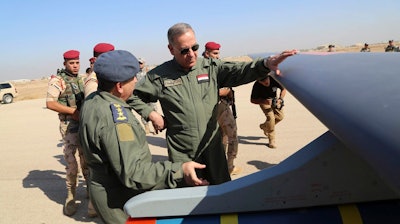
32, 167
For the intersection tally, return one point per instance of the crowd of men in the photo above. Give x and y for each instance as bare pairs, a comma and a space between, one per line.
96, 118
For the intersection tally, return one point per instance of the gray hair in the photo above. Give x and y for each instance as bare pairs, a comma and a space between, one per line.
177, 30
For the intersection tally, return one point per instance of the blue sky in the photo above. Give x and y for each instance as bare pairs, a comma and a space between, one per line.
35, 34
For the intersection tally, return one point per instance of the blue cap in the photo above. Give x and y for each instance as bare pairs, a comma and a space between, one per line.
116, 66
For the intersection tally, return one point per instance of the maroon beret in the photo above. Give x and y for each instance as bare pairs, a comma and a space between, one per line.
71, 54
92, 59
212, 46
102, 48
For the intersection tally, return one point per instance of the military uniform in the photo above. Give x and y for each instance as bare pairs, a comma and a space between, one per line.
273, 112
391, 47
119, 157
141, 77
227, 122
90, 84
67, 89
189, 102
115, 144
365, 49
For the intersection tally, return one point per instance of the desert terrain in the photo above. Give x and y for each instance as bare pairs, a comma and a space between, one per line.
34, 89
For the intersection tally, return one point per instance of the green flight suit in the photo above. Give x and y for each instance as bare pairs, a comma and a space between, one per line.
117, 153
189, 103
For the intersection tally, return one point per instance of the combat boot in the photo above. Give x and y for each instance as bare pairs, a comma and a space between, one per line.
233, 170
272, 143
70, 206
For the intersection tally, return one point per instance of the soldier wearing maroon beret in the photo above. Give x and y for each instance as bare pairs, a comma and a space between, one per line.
91, 80
212, 46
212, 50
102, 48
65, 96
71, 54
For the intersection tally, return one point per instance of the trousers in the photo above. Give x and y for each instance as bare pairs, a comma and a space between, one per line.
69, 133
273, 117
228, 127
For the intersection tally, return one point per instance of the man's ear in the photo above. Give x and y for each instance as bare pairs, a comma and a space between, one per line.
118, 87
171, 49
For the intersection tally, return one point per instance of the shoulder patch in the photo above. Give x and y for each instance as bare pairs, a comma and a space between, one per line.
119, 113
125, 132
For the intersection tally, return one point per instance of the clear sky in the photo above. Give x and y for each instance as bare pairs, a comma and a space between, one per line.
35, 34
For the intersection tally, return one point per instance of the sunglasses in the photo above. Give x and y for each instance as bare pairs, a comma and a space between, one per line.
186, 50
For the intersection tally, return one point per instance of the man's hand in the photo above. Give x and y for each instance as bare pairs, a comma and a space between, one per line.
272, 62
158, 121
189, 174
75, 115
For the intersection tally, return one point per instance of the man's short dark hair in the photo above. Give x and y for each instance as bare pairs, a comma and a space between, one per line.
105, 85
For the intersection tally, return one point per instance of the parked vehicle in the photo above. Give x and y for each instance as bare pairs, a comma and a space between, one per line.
7, 92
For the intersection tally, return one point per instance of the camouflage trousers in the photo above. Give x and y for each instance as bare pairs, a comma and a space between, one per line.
273, 117
69, 133
228, 127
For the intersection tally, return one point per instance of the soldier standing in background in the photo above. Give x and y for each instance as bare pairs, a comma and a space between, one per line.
331, 48
91, 80
65, 96
391, 47
226, 117
365, 48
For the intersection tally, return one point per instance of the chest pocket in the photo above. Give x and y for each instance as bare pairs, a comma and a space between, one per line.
172, 88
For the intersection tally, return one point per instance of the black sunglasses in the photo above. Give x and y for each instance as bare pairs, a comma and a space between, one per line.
186, 50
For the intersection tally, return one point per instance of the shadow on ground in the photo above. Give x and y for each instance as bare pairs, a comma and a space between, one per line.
52, 184
251, 140
157, 141
260, 165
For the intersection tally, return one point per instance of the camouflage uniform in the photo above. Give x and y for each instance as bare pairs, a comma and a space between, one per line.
90, 84
227, 122
68, 90
391, 47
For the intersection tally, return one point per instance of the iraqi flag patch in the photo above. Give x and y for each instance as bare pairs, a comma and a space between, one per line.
202, 78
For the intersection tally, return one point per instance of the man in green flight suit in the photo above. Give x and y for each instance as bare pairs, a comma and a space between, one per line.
187, 88
115, 146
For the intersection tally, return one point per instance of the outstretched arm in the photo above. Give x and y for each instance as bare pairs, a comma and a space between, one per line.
272, 62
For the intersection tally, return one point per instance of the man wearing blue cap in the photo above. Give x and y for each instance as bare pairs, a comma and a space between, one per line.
115, 146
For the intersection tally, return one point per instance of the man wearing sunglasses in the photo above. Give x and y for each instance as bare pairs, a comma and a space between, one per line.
187, 88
